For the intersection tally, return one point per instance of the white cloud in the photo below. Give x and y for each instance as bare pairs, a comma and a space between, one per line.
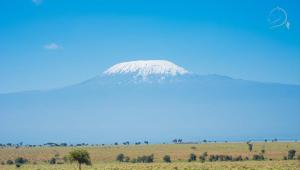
37, 2
52, 46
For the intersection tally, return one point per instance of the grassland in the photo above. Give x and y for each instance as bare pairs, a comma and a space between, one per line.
104, 157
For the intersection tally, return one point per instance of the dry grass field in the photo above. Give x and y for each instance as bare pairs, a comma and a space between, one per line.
248, 165
104, 157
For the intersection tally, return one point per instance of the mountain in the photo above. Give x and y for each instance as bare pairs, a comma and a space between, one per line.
154, 100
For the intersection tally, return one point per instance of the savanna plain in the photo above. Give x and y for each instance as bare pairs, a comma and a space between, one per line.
203, 156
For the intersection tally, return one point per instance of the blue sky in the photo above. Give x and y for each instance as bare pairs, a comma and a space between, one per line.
53, 43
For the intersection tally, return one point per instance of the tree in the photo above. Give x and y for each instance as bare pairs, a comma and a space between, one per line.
52, 161
64, 144
258, 157
81, 156
167, 158
193, 157
126, 143
250, 146
291, 154
120, 157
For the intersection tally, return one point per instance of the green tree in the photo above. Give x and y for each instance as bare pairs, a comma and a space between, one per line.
81, 156
193, 157
120, 157
167, 158
291, 154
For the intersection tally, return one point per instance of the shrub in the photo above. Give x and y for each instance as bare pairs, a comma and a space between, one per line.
149, 159
238, 158
144, 159
193, 147
126, 159
21, 161
66, 158
2, 163
120, 157
284, 158
223, 158
193, 157
212, 158
52, 161
291, 154
201, 158
134, 160
298, 157
18, 165
167, 158
9, 162
258, 157
228, 158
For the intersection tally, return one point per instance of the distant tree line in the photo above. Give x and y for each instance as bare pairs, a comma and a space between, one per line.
64, 144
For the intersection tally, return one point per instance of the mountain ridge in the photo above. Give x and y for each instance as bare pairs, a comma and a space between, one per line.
188, 106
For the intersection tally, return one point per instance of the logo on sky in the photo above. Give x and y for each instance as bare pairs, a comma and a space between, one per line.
278, 18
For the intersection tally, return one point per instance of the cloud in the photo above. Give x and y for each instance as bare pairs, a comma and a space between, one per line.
37, 2
278, 18
52, 46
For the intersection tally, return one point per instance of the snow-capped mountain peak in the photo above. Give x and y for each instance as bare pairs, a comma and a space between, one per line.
144, 68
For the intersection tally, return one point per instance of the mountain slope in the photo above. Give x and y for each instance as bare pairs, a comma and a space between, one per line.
157, 106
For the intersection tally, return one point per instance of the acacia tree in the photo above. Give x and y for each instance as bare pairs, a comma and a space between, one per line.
81, 156
250, 146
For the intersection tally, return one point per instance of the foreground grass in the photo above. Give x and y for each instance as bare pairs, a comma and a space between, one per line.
250, 165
